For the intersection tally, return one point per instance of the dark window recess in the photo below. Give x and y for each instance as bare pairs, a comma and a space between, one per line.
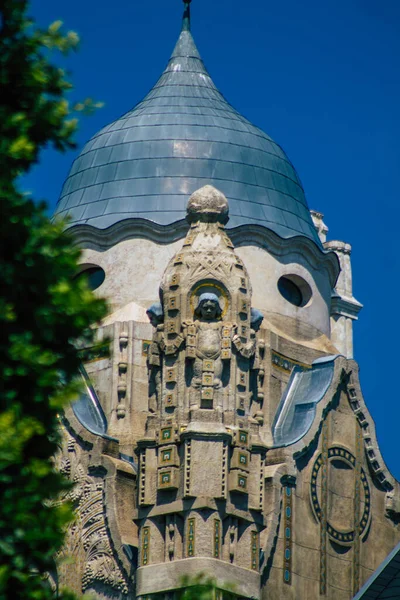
94, 276
290, 291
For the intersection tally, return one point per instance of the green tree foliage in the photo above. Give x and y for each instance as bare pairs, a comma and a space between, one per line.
202, 587
43, 310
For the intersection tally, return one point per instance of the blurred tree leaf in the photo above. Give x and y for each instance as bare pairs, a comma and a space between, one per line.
204, 587
43, 309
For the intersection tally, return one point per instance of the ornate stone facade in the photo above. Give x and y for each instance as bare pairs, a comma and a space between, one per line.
222, 428
240, 451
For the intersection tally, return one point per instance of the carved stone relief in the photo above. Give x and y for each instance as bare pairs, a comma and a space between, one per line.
87, 559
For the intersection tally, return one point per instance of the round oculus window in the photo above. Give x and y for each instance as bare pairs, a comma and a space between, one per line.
294, 289
94, 277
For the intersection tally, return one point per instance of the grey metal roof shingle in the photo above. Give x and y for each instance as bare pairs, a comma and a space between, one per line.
385, 581
183, 135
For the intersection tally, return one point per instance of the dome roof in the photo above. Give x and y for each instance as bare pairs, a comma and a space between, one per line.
182, 136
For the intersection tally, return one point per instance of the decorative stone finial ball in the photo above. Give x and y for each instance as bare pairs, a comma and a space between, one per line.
208, 204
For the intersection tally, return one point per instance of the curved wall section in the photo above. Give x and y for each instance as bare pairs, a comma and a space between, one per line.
135, 266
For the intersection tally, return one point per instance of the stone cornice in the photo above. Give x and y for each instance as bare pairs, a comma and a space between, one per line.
338, 246
344, 306
163, 577
87, 236
376, 462
188, 504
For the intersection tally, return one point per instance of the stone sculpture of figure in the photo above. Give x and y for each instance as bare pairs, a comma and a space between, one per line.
208, 307
155, 314
208, 343
156, 318
257, 371
206, 358
256, 318
248, 350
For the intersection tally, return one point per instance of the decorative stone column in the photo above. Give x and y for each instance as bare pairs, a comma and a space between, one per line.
319, 225
344, 307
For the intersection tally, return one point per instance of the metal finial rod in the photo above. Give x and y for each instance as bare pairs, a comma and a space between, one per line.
186, 16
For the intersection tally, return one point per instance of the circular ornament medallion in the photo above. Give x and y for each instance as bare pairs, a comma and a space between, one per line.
344, 538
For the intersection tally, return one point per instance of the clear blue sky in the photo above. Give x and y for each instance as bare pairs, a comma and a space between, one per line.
322, 79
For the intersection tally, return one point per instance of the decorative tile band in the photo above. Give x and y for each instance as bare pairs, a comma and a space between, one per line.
164, 478
288, 529
142, 477
166, 455
243, 460
188, 455
170, 399
145, 545
323, 463
243, 438
217, 538
145, 347
286, 364
191, 537
254, 550
242, 482
166, 434
224, 469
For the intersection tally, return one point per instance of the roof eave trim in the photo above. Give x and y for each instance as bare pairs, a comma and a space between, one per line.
88, 236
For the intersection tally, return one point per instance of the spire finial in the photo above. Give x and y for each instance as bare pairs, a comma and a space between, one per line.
186, 16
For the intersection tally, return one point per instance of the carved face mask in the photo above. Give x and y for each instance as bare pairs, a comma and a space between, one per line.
208, 307
209, 310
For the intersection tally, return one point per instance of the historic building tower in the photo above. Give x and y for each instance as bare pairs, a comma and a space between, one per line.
223, 429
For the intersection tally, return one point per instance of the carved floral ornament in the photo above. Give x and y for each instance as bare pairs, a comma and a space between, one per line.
88, 544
